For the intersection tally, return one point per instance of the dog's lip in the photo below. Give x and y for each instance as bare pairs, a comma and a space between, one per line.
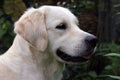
87, 56
69, 58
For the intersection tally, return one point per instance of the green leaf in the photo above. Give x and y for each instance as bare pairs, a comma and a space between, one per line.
117, 13
113, 54
2, 32
72, 1
110, 76
4, 26
92, 74
114, 77
117, 5
109, 67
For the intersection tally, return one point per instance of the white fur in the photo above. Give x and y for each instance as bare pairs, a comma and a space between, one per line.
32, 54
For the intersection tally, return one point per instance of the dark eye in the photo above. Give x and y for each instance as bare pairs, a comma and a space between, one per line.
61, 26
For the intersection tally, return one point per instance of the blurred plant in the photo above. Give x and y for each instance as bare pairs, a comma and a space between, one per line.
117, 7
80, 5
6, 30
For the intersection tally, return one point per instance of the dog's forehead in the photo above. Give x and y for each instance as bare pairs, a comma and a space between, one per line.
55, 13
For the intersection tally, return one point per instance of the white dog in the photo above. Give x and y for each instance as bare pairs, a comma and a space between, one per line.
47, 38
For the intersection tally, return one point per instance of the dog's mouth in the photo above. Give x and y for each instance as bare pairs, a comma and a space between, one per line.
68, 58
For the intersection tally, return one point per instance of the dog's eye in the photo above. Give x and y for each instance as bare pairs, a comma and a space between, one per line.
61, 26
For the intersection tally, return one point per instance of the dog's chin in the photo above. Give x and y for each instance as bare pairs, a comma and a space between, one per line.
72, 59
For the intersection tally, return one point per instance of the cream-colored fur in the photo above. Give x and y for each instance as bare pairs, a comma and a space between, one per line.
32, 55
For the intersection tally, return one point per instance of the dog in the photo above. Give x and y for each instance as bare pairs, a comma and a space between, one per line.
46, 39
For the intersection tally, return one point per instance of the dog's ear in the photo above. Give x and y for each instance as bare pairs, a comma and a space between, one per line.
31, 26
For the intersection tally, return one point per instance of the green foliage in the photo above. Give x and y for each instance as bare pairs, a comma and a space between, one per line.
113, 47
113, 54
6, 32
78, 6
117, 7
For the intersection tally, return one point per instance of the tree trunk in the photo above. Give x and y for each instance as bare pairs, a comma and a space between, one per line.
105, 23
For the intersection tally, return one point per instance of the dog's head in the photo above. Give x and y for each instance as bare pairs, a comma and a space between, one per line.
57, 27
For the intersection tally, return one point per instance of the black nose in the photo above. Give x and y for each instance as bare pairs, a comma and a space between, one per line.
91, 41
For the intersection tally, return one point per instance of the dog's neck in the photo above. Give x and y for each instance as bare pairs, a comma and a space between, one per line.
39, 64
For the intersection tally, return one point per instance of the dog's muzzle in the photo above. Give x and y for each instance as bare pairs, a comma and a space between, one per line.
64, 56
90, 42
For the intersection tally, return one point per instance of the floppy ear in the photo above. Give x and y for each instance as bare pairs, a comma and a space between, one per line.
31, 26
